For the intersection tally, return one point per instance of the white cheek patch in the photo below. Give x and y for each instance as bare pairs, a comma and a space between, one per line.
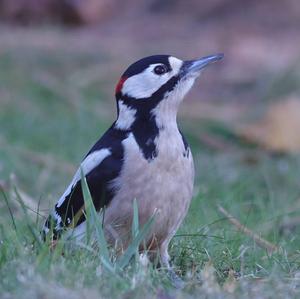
126, 116
145, 84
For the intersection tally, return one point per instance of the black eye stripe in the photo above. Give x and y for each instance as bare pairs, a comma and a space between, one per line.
160, 69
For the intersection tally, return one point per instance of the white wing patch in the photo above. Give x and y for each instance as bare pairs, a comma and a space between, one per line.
87, 165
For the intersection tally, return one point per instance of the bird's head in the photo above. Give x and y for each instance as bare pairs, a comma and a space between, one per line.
155, 85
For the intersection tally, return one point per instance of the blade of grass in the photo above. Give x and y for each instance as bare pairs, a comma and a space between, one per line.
135, 220
134, 245
135, 226
38, 211
35, 235
93, 217
9, 209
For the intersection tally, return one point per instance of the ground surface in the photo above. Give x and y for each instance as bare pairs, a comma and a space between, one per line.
55, 97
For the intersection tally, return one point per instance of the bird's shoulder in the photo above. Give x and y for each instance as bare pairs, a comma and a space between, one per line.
104, 159
101, 165
111, 139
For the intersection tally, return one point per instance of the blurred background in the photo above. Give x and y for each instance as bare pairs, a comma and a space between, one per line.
60, 61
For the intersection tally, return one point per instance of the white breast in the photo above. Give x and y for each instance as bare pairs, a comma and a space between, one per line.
164, 184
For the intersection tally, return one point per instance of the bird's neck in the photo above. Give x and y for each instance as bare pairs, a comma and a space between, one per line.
163, 115
147, 125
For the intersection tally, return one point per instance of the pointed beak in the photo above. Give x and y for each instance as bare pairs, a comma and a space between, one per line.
194, 67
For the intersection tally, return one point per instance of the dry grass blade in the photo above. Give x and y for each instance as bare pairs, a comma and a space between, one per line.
271, 248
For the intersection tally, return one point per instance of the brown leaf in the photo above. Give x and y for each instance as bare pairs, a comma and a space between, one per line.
279, 129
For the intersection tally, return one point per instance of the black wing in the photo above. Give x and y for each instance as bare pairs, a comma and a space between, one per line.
69, 211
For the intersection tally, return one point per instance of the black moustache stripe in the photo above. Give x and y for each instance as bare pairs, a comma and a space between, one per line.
144, 105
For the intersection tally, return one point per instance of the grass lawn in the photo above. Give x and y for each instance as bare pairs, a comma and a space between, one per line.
50, 115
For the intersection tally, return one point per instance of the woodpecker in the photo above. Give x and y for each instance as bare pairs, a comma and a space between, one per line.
142, 156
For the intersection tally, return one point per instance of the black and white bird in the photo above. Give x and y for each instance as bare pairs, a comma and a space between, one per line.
142, 156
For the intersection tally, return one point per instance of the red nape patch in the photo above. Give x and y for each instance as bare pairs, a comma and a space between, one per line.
120, 84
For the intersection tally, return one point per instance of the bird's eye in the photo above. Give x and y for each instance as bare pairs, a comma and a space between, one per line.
160, 69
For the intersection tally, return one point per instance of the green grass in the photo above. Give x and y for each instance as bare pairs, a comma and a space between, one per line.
49, 120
